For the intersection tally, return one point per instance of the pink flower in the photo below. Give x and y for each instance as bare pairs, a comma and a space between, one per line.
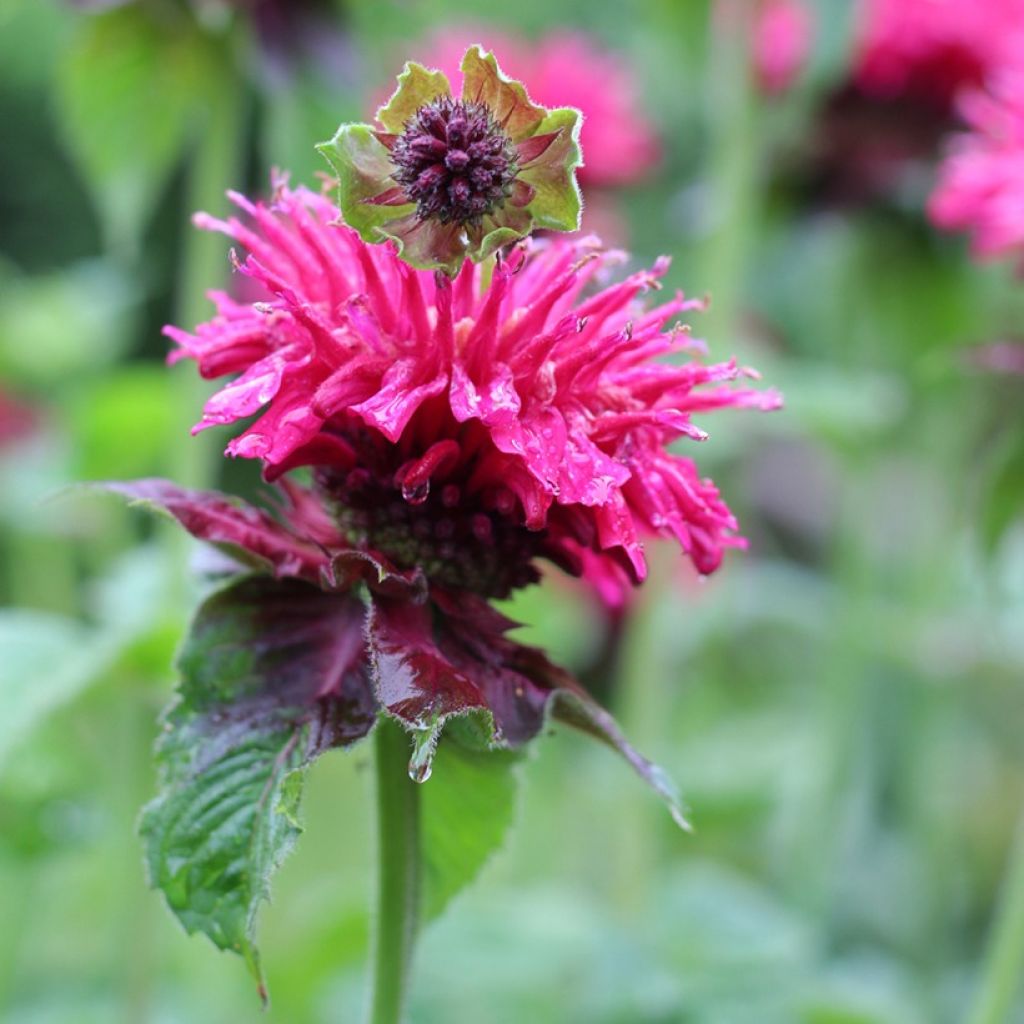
782, 38
620, 144
981, 182
466, 427
929, 49
19, 420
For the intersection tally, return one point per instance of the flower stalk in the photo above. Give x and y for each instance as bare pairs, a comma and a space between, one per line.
214, 161
398, 878
1001, 970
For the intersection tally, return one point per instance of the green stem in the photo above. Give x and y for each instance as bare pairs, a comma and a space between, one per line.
214, 167
1004, 960
732, 174
398, 856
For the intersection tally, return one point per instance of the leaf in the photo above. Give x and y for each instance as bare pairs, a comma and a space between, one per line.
244, 531
272, 675
1002, 498
450, 662
132, 87
484, 82
47, 660
465, 814
556, 202
363, 168
417, 86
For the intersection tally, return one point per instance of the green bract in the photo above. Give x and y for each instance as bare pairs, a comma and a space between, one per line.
543, 194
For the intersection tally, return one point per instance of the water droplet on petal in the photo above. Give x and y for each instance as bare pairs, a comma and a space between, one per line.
424, 744
416, 493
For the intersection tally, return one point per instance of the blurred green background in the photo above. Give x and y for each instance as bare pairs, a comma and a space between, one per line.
842, 706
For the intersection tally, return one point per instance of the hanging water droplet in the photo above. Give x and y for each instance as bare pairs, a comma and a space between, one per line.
424, 744
416, 493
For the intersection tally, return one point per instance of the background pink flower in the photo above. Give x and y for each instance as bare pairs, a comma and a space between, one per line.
929, 49
782, 39
620, 143
981, 181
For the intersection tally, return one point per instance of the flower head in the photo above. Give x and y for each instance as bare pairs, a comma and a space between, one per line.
455, 162
19, 420
782, 38
467, 427
568, 69
446, 178
927, 50
981, 181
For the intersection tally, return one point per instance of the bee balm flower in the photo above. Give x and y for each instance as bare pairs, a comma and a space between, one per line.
981, 182
469, 425
456, 432
782, 38
447, 178
927, 50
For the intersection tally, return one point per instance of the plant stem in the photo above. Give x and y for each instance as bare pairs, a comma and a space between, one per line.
1004, 960
398, 874
215, 163
732, 174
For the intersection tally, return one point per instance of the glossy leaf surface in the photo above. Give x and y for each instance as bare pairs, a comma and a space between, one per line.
452, 661
271, 675
466, 810
244, 531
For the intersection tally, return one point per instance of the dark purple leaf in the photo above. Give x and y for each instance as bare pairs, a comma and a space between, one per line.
351, 566
452, 658
415, 681
245, 532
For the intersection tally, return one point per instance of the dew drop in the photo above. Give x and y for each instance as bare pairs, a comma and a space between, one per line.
424, 744
417, 493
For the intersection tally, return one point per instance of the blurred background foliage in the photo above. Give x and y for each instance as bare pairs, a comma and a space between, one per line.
841, 705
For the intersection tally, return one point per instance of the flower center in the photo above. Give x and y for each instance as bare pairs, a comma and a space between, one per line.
454, 161
468, 542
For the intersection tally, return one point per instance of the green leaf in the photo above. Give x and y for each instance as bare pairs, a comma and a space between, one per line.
132, 88
272, 675
132, 400
363, 168
467, 809
557, 203
416, 88
484, 82
47, 660
1002, 500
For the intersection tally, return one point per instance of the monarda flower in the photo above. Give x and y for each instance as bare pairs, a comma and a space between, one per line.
513, 404
447, 178
782, 38
568, 69
981, 182
928, 50
431, 442
456, 432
